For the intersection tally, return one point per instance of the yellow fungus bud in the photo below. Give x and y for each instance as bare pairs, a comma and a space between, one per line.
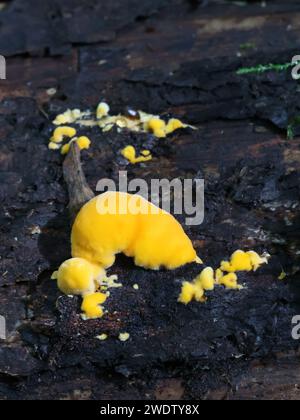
102, 337
124, 337
206, 279
187, 293
136, 287
102, 110
244, 261
173, 125
116, 222
199, 294
61, 132
256, 260
240, 261
282, 276
91, 305
129, 153
66, 148
157, 127
230, 281
53, 146
83, 142
69, 117
78, 277
54, 275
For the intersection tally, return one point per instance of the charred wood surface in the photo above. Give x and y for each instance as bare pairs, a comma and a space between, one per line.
179, 58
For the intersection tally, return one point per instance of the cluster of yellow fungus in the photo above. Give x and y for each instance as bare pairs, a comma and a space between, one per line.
71, 116
129, 153
225, 275
62, 133
137, 121
80, 277
114, 223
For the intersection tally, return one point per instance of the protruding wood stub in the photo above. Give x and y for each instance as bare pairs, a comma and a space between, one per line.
79, 191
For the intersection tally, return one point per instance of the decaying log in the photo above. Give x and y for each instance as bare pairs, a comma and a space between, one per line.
236, 346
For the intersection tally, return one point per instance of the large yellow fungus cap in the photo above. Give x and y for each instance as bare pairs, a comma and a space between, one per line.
91, 305
77, 276
206, 279
116, 222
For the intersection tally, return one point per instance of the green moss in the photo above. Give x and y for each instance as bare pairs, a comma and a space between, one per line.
248, 46
261, 68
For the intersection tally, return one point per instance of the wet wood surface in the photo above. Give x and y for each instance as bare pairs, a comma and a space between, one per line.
179, 58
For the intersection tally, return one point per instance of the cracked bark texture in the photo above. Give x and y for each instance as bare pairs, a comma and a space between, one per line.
179, 58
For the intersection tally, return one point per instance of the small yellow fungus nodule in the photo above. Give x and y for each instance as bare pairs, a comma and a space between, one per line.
129, 153
206, 279
187, 293
102, 337
61, 132
70, 116
282, 276
157, 126
124, 337
117, 222
102, 110
54, 146
83, 142
78, 276
230, 281
65, 148
136, 287
244, 261
91, 305
173, 125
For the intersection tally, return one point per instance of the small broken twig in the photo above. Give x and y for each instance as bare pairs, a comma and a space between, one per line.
79, 191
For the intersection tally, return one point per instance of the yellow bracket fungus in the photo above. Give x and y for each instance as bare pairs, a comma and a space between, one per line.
61, 132
116, 222
129, 153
